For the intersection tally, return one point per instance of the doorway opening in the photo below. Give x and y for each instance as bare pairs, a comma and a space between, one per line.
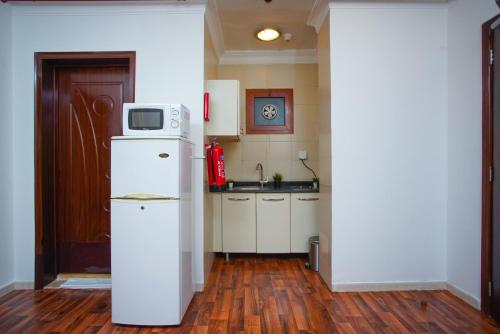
78, 107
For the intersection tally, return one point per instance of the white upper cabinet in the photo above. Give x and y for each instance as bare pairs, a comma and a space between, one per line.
224, 108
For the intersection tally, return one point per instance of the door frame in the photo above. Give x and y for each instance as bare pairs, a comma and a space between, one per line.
487, 161
45, 152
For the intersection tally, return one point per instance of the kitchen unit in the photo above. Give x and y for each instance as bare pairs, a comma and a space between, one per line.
151, 230
254, 219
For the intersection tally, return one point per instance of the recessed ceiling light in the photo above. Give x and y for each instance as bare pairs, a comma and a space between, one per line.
268, 34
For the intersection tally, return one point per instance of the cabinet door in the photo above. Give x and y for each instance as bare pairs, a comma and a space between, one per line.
304, 221
238, 223
273, 223
217, 221
224, 107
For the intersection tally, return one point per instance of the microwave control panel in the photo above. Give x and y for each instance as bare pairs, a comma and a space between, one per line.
174, 117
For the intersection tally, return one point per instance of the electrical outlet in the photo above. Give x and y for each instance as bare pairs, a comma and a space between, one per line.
302, 155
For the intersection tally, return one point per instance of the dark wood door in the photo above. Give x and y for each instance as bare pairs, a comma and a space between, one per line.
495, 298
88, 112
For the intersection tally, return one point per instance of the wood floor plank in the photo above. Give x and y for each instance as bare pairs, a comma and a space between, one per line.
253, 294
270, 316
299, 311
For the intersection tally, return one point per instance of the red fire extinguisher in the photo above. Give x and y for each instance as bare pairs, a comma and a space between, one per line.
215, 167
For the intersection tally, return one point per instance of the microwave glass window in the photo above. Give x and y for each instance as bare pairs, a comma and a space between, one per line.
145, 119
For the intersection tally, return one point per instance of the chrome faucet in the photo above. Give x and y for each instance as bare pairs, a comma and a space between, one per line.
261, 169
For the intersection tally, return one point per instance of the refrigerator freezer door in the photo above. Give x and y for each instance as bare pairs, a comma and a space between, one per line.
145, 167
145, 262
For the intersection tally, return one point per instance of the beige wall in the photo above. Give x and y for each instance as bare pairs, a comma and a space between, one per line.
277, 153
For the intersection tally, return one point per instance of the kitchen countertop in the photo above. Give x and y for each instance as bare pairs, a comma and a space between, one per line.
286, 187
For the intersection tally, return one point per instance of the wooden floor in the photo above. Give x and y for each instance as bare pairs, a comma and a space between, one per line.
253, 295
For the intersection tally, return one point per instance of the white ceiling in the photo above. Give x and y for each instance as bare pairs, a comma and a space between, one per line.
241, 18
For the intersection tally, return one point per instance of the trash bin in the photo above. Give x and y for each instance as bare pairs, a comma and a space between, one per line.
314, 253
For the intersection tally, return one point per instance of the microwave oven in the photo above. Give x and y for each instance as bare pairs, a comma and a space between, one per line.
141, 119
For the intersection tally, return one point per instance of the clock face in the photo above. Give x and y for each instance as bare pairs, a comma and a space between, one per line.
269, 111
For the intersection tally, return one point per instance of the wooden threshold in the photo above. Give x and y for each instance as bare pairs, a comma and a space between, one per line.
66, 276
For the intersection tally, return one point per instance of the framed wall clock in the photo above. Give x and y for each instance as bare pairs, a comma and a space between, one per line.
269, 111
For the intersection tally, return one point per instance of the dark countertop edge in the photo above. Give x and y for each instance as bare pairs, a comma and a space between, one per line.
285, 188
268, 191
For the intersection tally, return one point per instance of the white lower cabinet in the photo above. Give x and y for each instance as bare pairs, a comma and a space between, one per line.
217, 221
273, 223
264, 223
239, 233
304, 220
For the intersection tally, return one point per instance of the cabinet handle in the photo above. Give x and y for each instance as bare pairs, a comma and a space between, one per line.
238, 199
308, 199
273, 199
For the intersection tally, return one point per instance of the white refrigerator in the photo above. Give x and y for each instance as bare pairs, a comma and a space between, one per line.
151, 230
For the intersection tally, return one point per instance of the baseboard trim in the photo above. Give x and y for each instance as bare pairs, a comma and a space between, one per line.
7, 288
24, 285
19, 285
466, 297
199, 287
405, 286
389, 286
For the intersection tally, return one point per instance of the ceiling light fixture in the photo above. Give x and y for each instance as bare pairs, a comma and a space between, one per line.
268, 34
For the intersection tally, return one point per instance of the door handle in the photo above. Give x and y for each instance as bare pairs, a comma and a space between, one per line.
238, 199
273, 199
308, 199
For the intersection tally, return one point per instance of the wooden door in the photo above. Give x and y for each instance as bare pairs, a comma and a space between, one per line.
88, 112
495, 203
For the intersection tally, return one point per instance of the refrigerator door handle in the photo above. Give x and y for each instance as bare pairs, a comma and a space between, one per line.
146, 197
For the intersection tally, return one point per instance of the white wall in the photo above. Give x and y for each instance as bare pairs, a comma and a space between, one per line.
169, 67
6, 215
210, 73
325, 152
389, 103
464, 142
